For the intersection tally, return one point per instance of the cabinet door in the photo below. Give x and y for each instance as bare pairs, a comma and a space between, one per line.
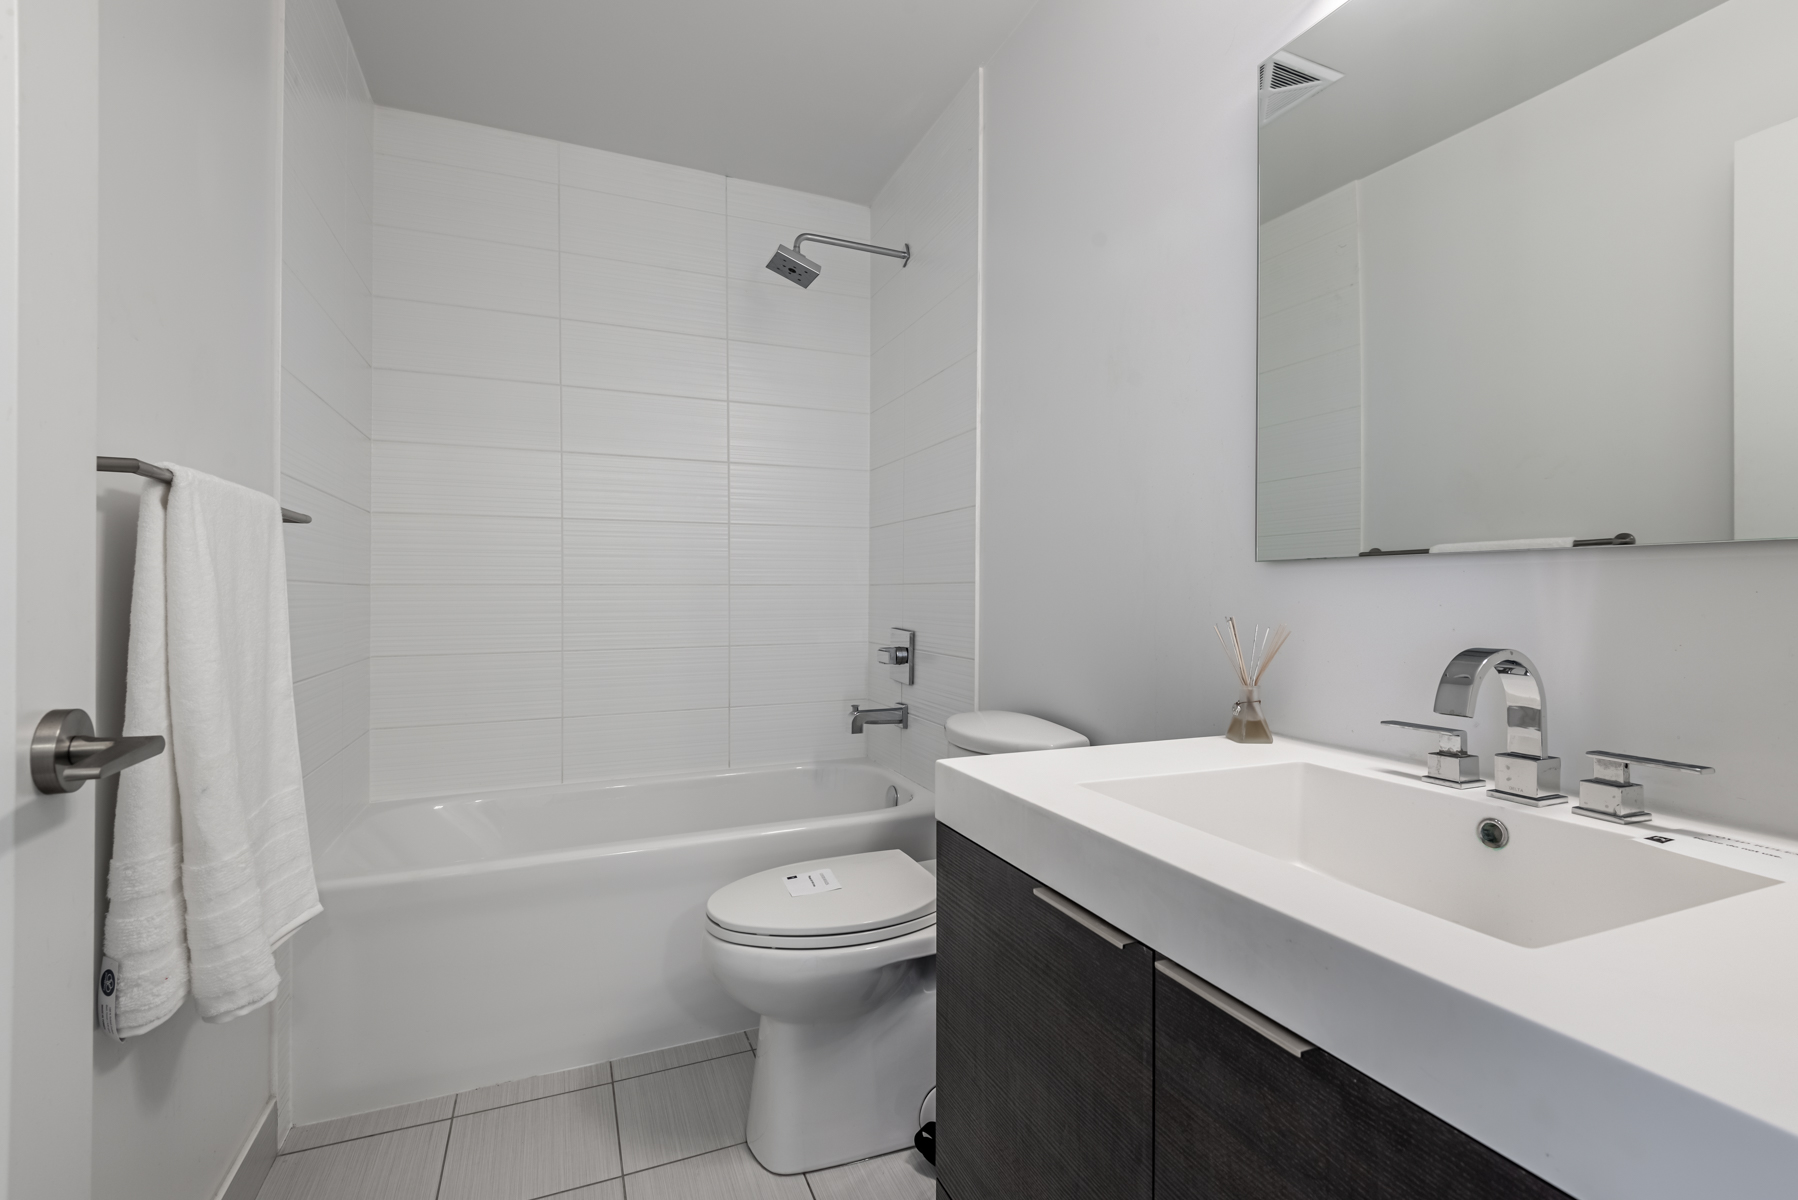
1045, 1040
1239, 1116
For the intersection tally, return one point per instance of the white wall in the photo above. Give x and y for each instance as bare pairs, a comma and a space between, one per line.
1557, 280
620, 470
189, 286
1308, 390
922, 443
1118, 462
327, 317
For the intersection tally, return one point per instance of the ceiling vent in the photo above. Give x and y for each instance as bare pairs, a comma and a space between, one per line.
1288, 81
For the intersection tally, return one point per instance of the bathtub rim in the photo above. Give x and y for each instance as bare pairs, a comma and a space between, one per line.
328, 885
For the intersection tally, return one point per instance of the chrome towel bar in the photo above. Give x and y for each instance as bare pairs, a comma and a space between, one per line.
137, 466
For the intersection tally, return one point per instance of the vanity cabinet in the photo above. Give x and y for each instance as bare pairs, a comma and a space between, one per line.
1071, 1063
1045, 1040
1239, 1116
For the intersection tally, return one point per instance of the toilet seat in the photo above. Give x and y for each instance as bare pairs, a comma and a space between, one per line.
824, 941
880, 896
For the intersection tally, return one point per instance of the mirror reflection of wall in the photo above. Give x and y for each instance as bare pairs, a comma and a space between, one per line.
1500, 257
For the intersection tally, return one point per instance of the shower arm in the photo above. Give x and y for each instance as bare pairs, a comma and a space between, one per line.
904, 256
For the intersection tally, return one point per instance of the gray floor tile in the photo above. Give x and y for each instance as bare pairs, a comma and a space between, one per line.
404, 1165
685, 1111
533, 1149
611, 1189
382, 1120
901, 1176
679, 1056
731, 1174
534, 1088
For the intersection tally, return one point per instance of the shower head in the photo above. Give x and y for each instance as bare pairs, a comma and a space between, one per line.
790, 264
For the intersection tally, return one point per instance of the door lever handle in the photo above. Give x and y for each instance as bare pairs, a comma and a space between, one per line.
65, 753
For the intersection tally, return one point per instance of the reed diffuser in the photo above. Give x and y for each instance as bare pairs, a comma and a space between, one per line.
1247, 722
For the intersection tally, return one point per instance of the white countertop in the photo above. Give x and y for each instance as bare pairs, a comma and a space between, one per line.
1659, 1059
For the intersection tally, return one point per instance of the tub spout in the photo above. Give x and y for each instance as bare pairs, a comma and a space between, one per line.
898, 715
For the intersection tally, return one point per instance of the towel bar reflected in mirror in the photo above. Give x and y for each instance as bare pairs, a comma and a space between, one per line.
137, 466
65, 753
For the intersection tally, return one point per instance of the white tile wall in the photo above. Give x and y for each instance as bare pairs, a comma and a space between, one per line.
327, 340
922, 441
621, 480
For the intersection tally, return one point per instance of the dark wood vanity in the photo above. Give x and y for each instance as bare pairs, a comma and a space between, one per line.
1070, 1066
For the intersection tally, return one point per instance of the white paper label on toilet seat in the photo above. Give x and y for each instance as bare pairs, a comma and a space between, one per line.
823, 880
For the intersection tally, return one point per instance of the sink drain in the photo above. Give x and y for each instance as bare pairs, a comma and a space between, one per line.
1493, 834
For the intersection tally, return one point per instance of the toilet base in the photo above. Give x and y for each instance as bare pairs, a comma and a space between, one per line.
833, 1092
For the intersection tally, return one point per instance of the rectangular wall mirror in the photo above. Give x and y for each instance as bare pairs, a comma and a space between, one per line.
1529, 270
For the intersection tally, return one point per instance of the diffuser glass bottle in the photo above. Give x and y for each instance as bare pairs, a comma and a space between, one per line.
1247, 722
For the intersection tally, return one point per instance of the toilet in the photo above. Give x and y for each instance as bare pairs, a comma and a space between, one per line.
838, 956
995, 732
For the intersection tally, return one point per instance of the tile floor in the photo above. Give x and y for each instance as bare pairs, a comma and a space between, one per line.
668, 1125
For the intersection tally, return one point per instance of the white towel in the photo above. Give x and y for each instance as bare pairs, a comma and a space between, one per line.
1554, 543
209, 668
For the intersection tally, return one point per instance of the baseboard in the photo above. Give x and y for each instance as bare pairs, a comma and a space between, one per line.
245, 1177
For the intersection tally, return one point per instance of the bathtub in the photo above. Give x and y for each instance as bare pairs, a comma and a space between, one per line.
472, 939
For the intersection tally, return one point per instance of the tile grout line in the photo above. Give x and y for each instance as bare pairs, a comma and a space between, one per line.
443, 1164
730, 579
456, 1107
618, 1131
562, 516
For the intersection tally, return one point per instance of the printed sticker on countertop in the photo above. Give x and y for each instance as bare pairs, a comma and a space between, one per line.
812, 882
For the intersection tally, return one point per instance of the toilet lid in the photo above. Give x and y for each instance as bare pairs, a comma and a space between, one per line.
871, 891
995, 732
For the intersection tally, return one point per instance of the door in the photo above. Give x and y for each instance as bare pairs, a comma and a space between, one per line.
1045, 1040
49, 53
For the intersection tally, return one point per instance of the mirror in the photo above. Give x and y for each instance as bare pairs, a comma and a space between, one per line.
1529, 276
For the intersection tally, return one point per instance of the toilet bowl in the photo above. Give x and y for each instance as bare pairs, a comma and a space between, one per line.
838, 957
992, 731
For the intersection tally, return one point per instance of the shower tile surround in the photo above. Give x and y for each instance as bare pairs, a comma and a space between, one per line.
670, 1123
327, 339
620, 474
922, 437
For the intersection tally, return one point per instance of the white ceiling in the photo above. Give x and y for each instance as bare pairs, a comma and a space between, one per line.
825, 96
1418, 71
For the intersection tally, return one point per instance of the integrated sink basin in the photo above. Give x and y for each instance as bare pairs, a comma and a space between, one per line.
1553, 879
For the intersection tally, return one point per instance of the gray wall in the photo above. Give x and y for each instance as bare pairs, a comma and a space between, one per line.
189, 280
1118, 455
922, 441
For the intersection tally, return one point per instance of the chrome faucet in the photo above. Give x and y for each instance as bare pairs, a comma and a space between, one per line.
1525, 772
899, 714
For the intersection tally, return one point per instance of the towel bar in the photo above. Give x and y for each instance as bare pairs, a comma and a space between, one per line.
137, 466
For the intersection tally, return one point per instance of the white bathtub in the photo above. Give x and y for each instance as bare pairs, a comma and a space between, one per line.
474, 939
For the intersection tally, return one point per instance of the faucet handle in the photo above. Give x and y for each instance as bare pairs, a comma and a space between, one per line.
1611, 796
1451, 765
1451, 741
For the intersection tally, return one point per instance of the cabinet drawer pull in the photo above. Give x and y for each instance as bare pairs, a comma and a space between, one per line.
1274, 1032
1068, 908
